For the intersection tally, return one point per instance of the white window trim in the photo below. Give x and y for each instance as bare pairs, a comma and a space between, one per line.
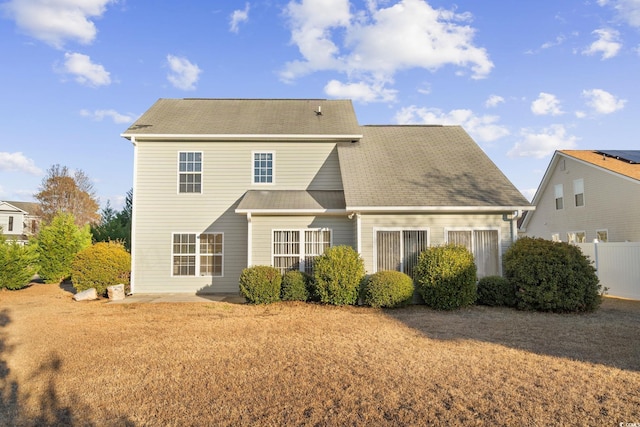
273, 168
555, 196
302, 253
196, 254
555, 237
606, 230
375, 242
575, 233
472, 229
201, 173
575, 193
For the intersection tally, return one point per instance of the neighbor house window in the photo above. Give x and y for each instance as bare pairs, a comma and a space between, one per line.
555, 237
297, 249
201, 254
190, 172
602, 235
578, 192
263, 168
399, 249
558, 193
483, 244
576, 237
10, 225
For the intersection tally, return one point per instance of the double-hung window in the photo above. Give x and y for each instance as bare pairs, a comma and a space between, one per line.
263, 167
578, 192
190, 172
201, 255
10, 225
297, 249
399, 249
559, 196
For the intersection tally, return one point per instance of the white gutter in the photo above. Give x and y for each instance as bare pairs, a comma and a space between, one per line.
439, 208
291, 211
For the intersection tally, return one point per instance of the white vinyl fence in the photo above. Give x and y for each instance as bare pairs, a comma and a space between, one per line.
617, 265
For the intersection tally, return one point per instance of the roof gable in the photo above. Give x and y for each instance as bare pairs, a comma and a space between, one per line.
422, 167
18, 207
601, 159
243, 118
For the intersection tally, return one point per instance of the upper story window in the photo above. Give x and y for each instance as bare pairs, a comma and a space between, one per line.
559, 196
190, 172
263, 167
578, 192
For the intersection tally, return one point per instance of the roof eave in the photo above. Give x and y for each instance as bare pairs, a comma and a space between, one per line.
292, 211
438, 209
240, 137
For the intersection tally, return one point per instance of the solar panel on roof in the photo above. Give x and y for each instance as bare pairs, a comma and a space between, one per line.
631, 156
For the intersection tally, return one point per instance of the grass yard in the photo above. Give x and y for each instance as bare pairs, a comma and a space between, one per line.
93, 363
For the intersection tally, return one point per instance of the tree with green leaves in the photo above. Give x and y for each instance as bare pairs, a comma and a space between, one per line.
114, 226
57, 245
61, 191
17, 264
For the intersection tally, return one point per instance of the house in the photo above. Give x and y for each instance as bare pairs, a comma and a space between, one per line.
587, 195
222, 184
19, 220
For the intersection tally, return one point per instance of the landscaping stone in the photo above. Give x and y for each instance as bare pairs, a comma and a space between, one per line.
116, 292
88, 295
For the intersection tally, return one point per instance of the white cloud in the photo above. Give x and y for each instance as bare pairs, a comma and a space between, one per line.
493, 101
237, 17
541, 144
100, 115
184, 75
546, 104
361, 91
627, 10
607, 44
17, 162
86, 72
57, 21
602, 102
481, 128
376, 43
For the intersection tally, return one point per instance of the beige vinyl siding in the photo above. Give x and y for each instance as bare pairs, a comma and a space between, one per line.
226, 175
342, 231
435, 223
611, 202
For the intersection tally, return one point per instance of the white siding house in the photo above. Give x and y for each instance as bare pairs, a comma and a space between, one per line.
222, 184
18, 220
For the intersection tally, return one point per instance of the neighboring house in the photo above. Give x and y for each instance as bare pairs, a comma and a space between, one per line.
18, 220
222, 184
587, 195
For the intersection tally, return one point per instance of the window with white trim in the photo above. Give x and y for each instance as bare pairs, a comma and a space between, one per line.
297, 249
399, 249
576, 237
483, 244
559, 196
602, 235
206, 257
555, 237
190, 172
10, 225
578, 192
263, 168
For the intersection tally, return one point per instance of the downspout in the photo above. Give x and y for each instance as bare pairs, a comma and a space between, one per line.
359, 234
249, 240
133, 216
514, 225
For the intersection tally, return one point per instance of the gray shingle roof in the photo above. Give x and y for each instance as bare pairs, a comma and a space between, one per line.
291, 200
247, 117
30, 208
422, 166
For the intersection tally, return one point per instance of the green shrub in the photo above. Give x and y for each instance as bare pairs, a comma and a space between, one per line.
294, 286
260, 284
387, 289
551, 276
17, 264
100, 266
446, 277
337, 275
496, 291
57, 245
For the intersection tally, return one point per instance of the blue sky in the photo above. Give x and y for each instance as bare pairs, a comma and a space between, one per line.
523, 78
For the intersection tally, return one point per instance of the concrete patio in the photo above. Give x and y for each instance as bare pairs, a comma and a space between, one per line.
173, 298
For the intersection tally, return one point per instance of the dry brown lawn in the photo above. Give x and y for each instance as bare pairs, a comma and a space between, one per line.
69, 363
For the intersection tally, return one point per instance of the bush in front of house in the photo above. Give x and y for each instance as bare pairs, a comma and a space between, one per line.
446, 277
337, 275
388, 289
17, 264
101, 265
496, 291
551, 276
260, 284
295, 286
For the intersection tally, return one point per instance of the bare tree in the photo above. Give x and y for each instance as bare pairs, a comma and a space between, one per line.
61, 192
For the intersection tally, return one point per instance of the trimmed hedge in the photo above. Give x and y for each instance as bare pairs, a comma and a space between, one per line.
100, 266
260, 284
496, 291
446, 277
551, 276
337, 275
387, 289
295, 286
